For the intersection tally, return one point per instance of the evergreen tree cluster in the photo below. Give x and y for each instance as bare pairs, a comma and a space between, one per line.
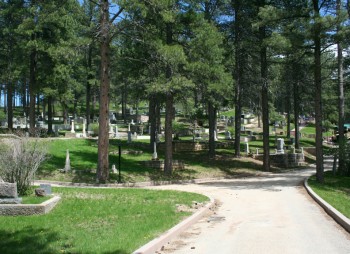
258, 56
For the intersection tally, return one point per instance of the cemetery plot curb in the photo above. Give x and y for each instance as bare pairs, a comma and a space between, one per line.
157, 243
334, 213
29, 209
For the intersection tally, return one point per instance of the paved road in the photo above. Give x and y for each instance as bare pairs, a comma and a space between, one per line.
269, 214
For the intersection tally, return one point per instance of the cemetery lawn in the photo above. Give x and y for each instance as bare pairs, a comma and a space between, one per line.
335, 190
83, 158
96, 221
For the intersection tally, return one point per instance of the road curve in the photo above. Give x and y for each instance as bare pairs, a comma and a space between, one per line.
267, 214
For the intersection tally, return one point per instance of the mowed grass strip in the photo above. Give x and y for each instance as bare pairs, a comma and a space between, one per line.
335, 191
96, 221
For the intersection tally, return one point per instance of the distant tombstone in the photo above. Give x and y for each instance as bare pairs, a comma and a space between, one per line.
114, 169
72, 129
84, 131
47, 188
280, 144
257, 151
246, 148
155, 155
228, 135
215, 136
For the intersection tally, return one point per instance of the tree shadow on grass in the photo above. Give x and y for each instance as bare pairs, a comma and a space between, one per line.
28, 240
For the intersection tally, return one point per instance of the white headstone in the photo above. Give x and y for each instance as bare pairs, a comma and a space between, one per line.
72, 130
280, 144
154, 155
114, 169
84, 131
246, 146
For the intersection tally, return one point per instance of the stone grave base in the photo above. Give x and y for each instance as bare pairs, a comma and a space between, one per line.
286, 160
29, 209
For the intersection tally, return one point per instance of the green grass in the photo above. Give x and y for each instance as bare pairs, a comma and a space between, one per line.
83, 157
96, 221
34, 200
335, 190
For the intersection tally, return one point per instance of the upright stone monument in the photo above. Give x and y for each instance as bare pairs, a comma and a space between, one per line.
155, 155
8, 193
280, 144
84, 127
72, 130
246, 148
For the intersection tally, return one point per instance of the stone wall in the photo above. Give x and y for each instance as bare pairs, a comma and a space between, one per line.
29, 209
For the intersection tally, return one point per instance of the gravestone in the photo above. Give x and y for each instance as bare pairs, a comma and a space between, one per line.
84, 131
8, 193
155, 155
246, 148
72, 130
46, 188
280, 144
228, 135
114, 169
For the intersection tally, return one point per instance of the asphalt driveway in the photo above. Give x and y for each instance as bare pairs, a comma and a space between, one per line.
266, 214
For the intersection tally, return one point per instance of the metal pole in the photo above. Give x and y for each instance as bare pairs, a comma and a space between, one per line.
120, 153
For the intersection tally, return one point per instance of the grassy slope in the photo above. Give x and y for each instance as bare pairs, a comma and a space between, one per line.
335, 190
95, 221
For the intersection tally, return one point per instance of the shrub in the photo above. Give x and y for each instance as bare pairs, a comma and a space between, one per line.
19, 160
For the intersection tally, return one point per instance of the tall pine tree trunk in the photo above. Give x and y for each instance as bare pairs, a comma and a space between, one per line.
49, 114
10, 105
103, 138
212, 128
341, 100
318, 92
152, 120
169, 104
32, 86
238, 76
296, 113
264, 100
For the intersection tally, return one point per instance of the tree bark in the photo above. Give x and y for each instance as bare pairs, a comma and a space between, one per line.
264, 100
318, 93
152, 120
49, 114
238, 76
32, 86
212, 128
296, 113
103, 138
168, 162
169, 104
341, 101
10, 105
